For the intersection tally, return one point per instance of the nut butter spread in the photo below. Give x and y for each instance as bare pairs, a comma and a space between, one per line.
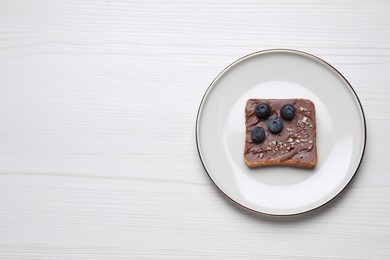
294, 144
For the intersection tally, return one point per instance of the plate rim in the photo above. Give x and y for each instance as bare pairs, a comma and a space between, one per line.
297, 52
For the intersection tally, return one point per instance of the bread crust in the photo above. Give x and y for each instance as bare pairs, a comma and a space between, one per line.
290, 162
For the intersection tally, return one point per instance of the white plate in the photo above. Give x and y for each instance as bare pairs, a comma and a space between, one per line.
220, 132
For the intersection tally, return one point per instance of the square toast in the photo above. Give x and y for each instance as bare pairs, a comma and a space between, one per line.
293, 145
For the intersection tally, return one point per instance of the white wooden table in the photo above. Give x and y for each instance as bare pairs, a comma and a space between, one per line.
98, 101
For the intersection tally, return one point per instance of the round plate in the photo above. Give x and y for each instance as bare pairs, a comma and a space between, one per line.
280, 190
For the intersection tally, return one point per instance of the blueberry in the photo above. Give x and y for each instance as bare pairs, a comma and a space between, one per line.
287, 112
258, 134
275, 124
262, 110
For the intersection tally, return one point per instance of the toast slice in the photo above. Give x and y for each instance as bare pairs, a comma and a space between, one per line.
294, 145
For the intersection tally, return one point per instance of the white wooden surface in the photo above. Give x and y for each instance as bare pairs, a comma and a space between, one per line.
98, 101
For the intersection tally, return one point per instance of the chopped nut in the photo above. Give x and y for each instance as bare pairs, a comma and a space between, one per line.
261, 155
303, 109
297, 141
290, 140
304, 120
311, 125
310, 141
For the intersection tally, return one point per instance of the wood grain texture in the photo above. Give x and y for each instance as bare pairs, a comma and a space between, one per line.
97, 115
